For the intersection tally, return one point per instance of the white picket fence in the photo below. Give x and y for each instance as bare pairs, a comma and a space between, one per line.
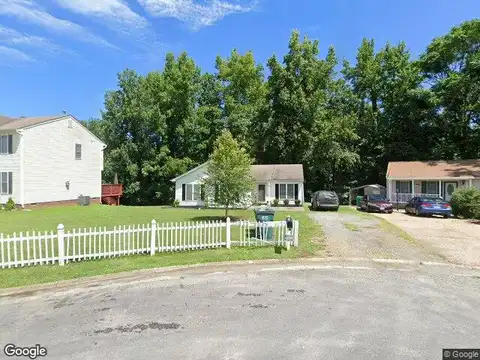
63, 246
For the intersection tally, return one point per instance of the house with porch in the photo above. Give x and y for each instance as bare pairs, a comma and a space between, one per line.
407, 179
272, 181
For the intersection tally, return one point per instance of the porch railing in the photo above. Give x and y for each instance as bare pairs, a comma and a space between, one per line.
406, 197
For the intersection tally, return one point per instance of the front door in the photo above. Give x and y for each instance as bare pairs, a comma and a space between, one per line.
450, 187
261, 193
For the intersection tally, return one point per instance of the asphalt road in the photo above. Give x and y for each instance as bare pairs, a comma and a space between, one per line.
322, 311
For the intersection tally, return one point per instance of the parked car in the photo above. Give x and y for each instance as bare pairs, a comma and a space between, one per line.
428, 206
325, 200
376, 203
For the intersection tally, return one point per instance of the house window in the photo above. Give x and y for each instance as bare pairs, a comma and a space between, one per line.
287, 191
430, 187
192, 192
404, 187
78, 151
6, 144
6, 183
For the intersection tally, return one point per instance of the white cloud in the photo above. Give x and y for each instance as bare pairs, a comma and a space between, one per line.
27, 10
10, 56
116, 13
18, 39
193, 13
14, 37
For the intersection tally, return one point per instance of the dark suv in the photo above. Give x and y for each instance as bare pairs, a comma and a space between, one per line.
325, 200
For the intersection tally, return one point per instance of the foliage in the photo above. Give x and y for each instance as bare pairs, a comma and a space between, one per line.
343, 127
466, 203
275, 202
176, 203
297, 202
228, 173
10, 205
286, 202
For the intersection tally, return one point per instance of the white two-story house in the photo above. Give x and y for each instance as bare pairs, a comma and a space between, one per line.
51, 159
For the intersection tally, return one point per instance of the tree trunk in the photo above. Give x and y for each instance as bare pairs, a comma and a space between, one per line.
226, 211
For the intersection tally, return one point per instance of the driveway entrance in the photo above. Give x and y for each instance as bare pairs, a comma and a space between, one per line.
457, 241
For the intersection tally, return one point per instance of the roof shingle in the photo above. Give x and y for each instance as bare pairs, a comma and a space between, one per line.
282, 172
434, 169
7, 123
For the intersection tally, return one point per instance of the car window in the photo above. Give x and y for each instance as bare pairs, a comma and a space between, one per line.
376, 197
431, 200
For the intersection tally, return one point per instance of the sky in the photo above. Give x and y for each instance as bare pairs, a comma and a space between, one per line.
63, 55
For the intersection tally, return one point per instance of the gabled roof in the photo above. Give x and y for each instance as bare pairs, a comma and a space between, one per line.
467, 169
282, 172
23, 122
7, 123
265, 173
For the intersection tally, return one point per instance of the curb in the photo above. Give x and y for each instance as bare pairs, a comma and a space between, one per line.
148, 274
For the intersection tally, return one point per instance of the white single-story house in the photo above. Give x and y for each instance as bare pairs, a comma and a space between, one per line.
49, 159
407, 179
279, 181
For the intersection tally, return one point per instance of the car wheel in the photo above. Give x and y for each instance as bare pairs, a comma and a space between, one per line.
390, 212
417, 212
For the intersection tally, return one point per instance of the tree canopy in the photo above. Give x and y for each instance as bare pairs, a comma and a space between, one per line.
229, 175
343, 121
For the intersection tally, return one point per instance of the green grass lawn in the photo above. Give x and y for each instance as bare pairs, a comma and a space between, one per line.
310, 240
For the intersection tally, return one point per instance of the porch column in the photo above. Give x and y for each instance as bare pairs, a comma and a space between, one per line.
440, 188
413, 188
470, 183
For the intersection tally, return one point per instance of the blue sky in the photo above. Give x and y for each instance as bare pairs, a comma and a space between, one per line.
60, 55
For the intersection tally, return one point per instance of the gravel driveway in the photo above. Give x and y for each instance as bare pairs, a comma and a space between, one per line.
456, 240
362, 235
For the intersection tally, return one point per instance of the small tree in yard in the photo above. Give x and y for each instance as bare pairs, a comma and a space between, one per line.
229, 172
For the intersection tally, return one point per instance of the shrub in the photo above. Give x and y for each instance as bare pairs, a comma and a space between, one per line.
286, 202
176, 203
206, 205
466, 203
10, 205
275, 202
297, 202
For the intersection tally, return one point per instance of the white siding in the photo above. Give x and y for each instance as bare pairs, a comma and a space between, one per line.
11, 163
476, 183
49, 162
271, 191
195, 177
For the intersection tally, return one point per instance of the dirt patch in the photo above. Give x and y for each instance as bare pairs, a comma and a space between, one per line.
357, 234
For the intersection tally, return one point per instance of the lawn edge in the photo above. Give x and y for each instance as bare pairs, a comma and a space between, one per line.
99, 280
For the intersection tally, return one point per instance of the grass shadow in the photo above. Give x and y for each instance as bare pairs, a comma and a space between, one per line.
217, 218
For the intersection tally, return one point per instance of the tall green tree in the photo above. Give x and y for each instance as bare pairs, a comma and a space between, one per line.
451, 64
229, 178
243, 96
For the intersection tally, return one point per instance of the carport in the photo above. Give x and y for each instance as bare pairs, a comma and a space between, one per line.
372, 189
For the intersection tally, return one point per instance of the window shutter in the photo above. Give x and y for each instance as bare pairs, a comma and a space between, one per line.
183, 192
202, 192
296, 191
10, 184
10, 144
277, 191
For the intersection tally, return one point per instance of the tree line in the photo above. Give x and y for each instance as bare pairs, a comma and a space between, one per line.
342, 121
